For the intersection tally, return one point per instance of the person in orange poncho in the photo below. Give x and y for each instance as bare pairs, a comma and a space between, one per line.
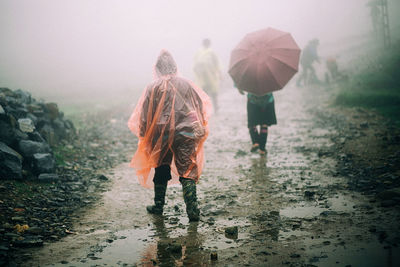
171, 122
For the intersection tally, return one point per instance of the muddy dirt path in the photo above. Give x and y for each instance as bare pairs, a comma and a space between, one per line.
291, 207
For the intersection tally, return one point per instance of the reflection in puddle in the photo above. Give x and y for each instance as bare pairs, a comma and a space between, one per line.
162, 244
125, 246
179, 251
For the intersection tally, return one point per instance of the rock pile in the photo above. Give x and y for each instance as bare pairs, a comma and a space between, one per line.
29, 129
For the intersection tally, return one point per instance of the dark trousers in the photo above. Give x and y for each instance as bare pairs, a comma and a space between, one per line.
259, 137
162, 174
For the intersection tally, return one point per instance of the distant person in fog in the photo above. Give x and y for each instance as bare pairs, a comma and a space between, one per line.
207, 71
309, 55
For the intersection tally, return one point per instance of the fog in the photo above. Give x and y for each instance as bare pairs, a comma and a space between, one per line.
86, 49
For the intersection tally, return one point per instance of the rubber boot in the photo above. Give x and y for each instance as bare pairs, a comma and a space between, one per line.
263, 139
190, 198
161, 176
159, 199
254, 135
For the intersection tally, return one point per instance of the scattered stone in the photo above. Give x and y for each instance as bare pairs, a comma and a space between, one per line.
103, 178
10, 162
26, 125
328, 213
35, 230
174, 220
12, 236
309, 194
7, 133
29, 241
48, 177
211, 221
48, 134
43, 162
53, 111
28, 148
231, 232
274, 213
18, 219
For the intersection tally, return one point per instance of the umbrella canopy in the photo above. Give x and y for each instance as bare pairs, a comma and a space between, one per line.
264, 61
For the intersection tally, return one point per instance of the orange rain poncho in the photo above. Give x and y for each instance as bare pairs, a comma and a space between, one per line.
171, 122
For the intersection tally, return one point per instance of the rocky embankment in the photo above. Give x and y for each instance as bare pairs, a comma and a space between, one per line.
28, 130
48, 170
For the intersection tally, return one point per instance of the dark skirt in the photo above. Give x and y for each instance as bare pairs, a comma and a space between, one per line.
259, 115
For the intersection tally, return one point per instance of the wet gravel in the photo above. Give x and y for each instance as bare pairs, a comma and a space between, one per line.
34, 212
326, 194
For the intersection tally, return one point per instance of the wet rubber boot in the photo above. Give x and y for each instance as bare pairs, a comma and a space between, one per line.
190, 198
255, 137
159, 199
263, 139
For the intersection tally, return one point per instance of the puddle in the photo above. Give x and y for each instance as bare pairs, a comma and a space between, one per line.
309, 209
163, 242
237, 188
127, 248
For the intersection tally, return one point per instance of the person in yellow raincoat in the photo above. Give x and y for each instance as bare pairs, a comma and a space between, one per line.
207, 71
171, 123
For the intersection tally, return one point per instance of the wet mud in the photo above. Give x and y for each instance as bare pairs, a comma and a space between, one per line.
291, 207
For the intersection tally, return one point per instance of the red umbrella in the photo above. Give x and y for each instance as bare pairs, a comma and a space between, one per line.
264, 61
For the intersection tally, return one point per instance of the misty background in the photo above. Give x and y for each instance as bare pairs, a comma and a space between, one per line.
94, 49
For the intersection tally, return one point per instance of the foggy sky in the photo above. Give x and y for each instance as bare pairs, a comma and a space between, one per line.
70, 47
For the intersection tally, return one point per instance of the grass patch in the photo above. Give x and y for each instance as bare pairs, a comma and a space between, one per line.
63, 153
376, 86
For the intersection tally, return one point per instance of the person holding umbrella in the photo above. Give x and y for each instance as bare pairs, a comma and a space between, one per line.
171, 123
263, 62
